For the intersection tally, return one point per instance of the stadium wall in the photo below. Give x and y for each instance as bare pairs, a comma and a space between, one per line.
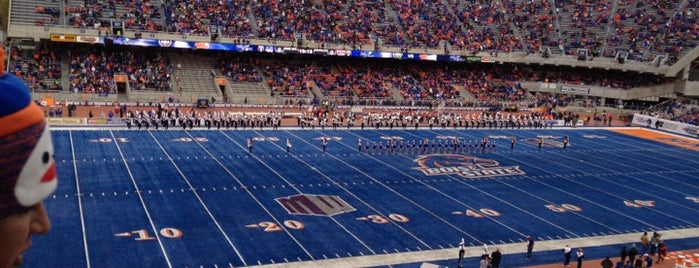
586, 90
691, 88
666, 125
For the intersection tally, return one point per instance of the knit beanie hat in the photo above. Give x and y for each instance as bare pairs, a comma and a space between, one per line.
27, 167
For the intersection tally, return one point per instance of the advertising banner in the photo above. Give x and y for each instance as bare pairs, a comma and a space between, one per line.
667, 125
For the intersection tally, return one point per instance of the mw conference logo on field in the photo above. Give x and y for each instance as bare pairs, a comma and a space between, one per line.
464, 166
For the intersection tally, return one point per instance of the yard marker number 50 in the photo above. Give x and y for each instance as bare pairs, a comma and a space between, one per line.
563, 208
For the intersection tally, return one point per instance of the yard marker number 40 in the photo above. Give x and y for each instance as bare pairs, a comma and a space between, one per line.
483, 212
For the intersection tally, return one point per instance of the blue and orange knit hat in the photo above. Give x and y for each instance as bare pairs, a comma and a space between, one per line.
27, 167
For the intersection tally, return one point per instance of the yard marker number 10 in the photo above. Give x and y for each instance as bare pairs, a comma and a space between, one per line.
143, 235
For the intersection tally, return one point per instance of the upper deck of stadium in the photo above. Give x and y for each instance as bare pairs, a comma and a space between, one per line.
643, 29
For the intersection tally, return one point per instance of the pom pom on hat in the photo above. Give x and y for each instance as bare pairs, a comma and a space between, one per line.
28, 173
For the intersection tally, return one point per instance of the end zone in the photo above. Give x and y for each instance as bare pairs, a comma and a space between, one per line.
659, 136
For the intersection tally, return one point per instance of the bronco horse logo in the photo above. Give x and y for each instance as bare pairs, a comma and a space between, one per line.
464, 166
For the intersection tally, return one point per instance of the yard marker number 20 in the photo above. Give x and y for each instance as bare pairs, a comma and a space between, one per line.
274, 227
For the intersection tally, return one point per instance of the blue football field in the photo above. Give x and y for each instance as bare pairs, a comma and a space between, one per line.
198, 198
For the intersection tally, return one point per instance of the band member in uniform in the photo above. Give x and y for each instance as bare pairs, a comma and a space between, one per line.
250, 145
541, 142
565, 142
359, 145
513, 141
288, 145
325, 143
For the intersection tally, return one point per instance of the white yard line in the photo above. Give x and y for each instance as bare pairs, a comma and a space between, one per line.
80, 203
143, 202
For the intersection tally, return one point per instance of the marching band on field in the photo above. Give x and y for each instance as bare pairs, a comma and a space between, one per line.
483, 119
226, 119
165, 118
426, 146
210, 119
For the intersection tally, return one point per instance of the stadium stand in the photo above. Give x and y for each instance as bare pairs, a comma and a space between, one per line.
644, 29
546, 54
39, 68
681, 110
91, 70
610, 33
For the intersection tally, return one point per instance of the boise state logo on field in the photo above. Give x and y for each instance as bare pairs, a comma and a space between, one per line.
464, 166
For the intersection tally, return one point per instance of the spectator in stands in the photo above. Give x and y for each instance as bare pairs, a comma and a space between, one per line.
28, 173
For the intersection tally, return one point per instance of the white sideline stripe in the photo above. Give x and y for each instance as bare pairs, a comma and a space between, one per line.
506, 249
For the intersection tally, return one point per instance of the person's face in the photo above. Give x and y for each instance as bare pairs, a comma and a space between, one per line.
16, 230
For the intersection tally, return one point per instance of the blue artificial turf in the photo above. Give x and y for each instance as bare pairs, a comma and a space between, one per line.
197, 198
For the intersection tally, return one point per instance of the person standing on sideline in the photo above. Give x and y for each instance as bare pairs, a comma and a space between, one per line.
28, 173
485, 260
624, 254
462, 251
530, 247
633, 252
495, 258
565, 142
648, 260
250, 145
513, 141
645, 242
607, 263
325, 143
580, 255
654, 243
288, 145
568, 253
662, 250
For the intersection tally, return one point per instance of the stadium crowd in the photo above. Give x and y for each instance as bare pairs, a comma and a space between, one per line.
91, 70
643, 29
677, 110
40, 69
